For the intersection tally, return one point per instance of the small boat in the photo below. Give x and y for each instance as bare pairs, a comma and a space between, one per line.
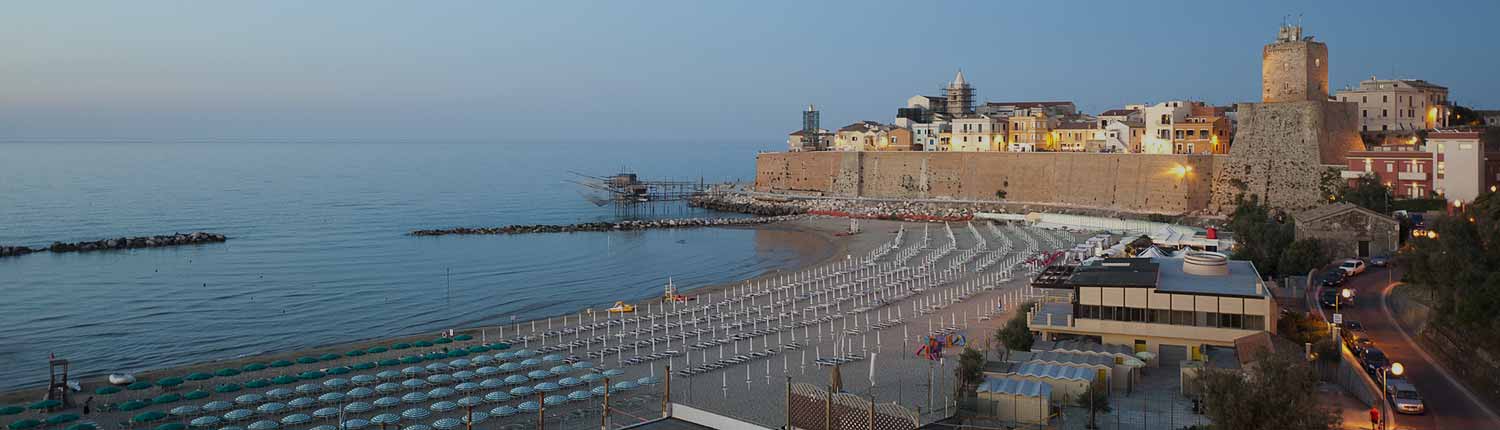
121, 378
621, 307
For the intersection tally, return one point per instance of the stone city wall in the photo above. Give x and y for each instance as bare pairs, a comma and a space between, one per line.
1146, 183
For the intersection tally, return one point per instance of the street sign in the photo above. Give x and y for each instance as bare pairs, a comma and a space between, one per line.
1338, 319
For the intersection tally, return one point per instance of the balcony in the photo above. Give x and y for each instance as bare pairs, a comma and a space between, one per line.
1412, 176
1354, 174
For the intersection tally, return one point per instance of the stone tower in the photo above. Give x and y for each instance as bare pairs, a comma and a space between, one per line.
960, 96
1293, 68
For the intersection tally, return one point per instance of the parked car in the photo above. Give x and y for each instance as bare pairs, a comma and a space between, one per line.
1404, 397
1332, 278
1328, 298
1374, 359
1381, 260
1352, 267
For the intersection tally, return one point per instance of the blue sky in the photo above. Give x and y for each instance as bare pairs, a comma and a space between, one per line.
711, 71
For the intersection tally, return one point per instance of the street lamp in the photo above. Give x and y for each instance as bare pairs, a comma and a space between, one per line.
1344, 294
1394, 369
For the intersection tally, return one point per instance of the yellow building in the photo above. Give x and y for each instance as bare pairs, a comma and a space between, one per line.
1031, 132
1074, 136
872, 136
978, 133
1206, 130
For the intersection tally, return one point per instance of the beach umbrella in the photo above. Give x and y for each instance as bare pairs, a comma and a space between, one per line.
205, 421
531, 362
389, 387
355, 353
24, 424
447, 424
166, 398
529, 406
231, 428
361, 392
470, 401
307, 360
422, 344
284, 380
497, 396
281, 363
169, 426
417, 427
523, 353
388, 374
483, 359
148, 416
386, 419
341, 370
238, 414
539, 374
505, 356
280, 393
479, 417
401, 346
435, 355
503, 411
443, 406
591, 377
195, 395
415, 413
648, 380
226, 388
334, 397
328, 356
413, 383
169, 382
246, 399
358, 407
106, 390
217, 405
386, 402
487, 371
326, 412
441, 378
613, 372
61, 418
366, 365
458, 353
464, 375
263, 425
516, 379
309, 388
509, 367
460, 363
325, 427
227, 372
521, 391
356, 424
184, 410
599, 390
258, 383
441, 392
198, 376
311, 374
254, 367
466, 387
82, 426
554, 400
413, 370
272, 408
389, 362
414, 397
139, 385
477, 349
580, 395
132, 405
552, 358
561, 370
491, 383
570, 382
336, 383
437, 367
625, 386
547, 387
377, 350
583, 365
300, 403
362, 379
44, 404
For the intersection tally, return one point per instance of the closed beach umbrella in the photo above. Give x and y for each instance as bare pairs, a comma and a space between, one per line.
458, 353
415, 413
509, 367
413, 383
132, 405
309, 388
24, 424
184, 410
477, 349
389, 387
44, 404
386, 419
386, 402
300, 403
195, 395
245, 399
463, 338
336, 383
148, 416
365, 365
570, 382
441, 392
169, 426
61, 418
497, 396
466, 387
272, 408
361, 392
443, 406
258, 383
356, 424
106, 390
311, 375
435, 355
447, 424
341, 370
329, 356
463, 375
441, 378
487, 371
307, 360
358, 407
169, 382
205, 421
326, 412
166, 398
516, 379
198, 376
226, 388
254, 367
280, 393
139, 385
422, 344
470, 401
284, 380
460, 363
529, 406
217, 405
416, 397
539, 374
413, 370
580, 395
388, 375
238, 414
521, 391
263, 425
281, 363
492, 383
227, 372
555, 400
334, 397
504, 411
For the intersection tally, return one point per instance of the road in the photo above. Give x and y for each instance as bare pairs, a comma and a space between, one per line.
1449, 405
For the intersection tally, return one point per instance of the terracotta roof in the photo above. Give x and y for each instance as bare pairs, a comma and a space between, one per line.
1118, 112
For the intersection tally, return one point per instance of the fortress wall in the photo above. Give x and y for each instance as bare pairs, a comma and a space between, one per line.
1128, 182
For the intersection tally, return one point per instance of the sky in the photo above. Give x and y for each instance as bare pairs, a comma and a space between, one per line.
642, 71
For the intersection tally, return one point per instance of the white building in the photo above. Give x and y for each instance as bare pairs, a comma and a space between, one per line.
1159, 121
930, 136
978, 133
1398, 104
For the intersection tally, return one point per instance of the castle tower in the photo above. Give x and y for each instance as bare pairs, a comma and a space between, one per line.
1293, 68
960, 96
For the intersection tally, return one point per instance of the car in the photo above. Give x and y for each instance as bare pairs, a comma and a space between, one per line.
1328, 298
1381, 260
1332, 278
1404, 397
1352, 266
1374, 360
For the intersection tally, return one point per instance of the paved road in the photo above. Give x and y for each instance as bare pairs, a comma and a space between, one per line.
1449, 406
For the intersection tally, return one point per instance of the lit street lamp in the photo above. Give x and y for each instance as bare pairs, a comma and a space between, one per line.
1394, 369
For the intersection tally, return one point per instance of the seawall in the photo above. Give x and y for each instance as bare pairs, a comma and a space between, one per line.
1144, 183
158, 241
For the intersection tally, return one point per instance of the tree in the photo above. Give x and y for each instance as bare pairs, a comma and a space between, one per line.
1139, 244
1277, 392
970, 371
1261, 235
1367, 192
1095, 399
1016, 334
1303, 256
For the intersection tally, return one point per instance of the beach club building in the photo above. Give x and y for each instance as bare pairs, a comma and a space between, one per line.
1171, 307
1014, 399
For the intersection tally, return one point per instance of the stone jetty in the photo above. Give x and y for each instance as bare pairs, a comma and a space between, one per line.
119, 243
607, 226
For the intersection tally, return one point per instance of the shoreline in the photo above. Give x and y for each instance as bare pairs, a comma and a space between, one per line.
815, 231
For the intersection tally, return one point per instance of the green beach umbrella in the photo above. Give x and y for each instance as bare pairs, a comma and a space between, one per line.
367, 365
328, 356
281, 363
307, 360
82, 426
478, 349
166, 398
170, 426
458, 353
442, 341
169, 382
195, 395
106, 390
389, 362
401, 346
139, 385
227, 388
283, 380
463, 338
24, 424
377, 349
227, 372
45, 404
133, 405
11, 410
254, 367
354, 353
422, 344
61, 418
258, 383
198, 376
338, 370
310, 375
411, 359
499, 346
148, 416
435, 355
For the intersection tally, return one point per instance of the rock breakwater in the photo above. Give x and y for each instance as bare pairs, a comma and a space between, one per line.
606, 226
158, 241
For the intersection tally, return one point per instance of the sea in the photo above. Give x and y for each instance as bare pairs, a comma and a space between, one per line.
318, 252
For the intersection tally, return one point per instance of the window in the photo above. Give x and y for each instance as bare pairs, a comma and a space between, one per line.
1383, 113
1385, 99
1255, 322
1364, 113
1364, 99
1390, 167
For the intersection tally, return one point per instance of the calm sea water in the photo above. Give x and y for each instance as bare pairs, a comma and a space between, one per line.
318, 254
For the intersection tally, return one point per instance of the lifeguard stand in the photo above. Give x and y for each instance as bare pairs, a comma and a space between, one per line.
57, 388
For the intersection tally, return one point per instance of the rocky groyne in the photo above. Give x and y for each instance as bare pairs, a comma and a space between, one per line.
724, 203
605, 226
911, 210
158, 241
